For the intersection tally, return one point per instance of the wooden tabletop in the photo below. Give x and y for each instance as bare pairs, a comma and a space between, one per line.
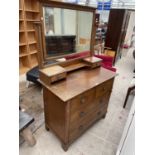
79, 81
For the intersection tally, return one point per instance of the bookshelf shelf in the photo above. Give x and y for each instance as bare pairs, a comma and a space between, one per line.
28, 13
33, 11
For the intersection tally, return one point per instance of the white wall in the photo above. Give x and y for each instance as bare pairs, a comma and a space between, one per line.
130, 29
84, 29
127, 142
64, 21
69, 22
57, 21
84, 24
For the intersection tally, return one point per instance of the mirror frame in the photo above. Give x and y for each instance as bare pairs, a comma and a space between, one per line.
40, 37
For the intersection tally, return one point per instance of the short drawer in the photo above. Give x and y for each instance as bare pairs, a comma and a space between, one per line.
82, 101
104, 100
104, 88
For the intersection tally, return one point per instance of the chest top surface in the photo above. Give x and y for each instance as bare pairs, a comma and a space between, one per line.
79, 81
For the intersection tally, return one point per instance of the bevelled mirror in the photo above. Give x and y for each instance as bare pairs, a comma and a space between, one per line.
67, 31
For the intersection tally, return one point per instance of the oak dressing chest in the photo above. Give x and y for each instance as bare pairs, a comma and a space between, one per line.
76, 92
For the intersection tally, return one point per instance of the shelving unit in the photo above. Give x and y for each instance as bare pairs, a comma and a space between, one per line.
28, 13
34, 60
24, 64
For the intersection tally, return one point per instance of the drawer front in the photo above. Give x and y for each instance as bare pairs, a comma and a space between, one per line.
58, 77
78, 128
104, 88
81, 113
97, 64
82, 101
104, 100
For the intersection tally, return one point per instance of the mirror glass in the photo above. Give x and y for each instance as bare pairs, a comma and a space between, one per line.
66, 31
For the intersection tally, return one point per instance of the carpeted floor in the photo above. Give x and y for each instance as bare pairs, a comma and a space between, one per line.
102, 138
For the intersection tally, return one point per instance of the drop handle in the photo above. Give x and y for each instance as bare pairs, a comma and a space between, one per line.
81, 127
99, 113
103, 89
82, 114
59, 77
82, 100
100, 101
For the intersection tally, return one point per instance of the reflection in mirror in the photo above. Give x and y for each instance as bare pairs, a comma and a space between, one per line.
66, 31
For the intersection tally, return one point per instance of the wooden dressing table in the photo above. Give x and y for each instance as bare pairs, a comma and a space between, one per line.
75, 92
71, 106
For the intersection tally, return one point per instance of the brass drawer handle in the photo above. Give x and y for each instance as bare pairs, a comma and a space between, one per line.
100, 101
59, 77
103, 89
99, 113
83, 100
81, 127
82, 114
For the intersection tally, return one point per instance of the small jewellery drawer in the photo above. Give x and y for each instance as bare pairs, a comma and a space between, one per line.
51, 74
82, 101
103, 88
97, 64
58, 77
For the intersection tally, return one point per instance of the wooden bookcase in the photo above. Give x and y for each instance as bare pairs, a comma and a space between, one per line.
28, 13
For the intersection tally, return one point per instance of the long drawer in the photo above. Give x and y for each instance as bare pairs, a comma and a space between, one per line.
78, 128
81, 113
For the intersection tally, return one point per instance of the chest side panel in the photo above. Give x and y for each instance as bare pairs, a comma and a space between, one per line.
54, 110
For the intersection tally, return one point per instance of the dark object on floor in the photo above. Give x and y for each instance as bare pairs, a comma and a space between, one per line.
131, 88
33, 75
134, 54
24, 121
134, 59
